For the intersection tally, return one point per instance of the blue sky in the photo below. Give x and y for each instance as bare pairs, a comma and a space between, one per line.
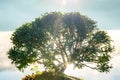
14, 13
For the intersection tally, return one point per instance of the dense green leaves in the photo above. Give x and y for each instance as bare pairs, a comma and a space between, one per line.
22, 58
29, 35
56, 40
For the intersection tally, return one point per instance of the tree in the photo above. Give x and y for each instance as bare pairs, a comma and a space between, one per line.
57, 40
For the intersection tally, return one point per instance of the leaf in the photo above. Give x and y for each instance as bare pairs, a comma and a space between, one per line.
35, 68
38, 72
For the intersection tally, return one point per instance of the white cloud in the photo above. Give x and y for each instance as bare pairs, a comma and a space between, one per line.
5, 45
85, 73
89, 74
115, 36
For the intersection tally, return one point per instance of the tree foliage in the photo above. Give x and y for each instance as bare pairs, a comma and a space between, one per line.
57, 40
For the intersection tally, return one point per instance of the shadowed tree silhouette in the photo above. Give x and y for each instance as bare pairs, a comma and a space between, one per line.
57, 40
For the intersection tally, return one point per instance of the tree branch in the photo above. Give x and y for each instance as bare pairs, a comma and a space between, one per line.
62, 48
89, 66
58, 60
62, 55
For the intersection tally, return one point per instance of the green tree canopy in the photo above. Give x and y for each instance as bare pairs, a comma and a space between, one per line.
56, 40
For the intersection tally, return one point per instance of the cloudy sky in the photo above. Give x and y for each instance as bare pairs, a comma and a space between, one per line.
14, 13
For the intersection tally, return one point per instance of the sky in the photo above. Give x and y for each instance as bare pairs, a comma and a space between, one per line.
14, 13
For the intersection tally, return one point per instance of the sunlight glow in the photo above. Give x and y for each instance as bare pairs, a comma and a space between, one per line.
69, 69
64, 2
86, 73
70, 2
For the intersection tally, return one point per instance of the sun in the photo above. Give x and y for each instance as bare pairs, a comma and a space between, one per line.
64, 2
